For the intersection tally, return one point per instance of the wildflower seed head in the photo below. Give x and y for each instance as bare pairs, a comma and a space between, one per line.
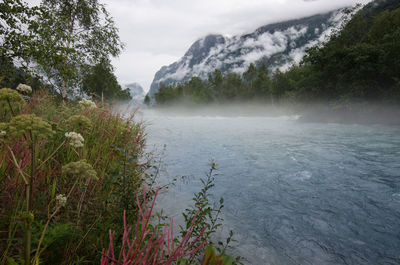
86, 103
79, 123
75, 139
24, 88
11, 97
30, 123
61, 200
80, 169
10, 94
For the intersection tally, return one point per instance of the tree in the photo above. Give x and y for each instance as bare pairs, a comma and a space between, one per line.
58, 39
101, 82
232, 86
262, 84
280, 85
196, 90
147, 100
86, 32
165, 94
216, 79
17, 35
249, 76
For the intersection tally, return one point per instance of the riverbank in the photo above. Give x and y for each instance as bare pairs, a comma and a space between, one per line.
80, 164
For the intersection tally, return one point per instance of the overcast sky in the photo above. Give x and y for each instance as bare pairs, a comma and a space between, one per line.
158, 32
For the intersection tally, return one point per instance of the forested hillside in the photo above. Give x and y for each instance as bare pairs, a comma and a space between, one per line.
360, 63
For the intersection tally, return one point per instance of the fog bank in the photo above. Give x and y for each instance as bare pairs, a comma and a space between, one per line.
358, 113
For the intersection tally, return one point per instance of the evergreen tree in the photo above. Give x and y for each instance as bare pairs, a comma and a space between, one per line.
100, 81
262, 84
249, 77
147, 100
216, 80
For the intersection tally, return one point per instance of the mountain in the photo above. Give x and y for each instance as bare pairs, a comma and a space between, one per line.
278, 45
137, 93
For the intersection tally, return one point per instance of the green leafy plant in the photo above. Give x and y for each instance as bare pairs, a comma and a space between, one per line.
207, 215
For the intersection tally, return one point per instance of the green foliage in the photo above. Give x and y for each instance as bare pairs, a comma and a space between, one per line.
74, 201
231, 87
208, 214
100, 82
123, 180
86, 33
54, 243
55, 41
10, 102
355, 63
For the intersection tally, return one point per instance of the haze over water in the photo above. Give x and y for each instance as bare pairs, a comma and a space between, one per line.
295, 193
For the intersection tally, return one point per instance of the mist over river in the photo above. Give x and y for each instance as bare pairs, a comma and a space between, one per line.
295, 193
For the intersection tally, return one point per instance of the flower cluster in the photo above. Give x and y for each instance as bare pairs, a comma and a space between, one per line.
79, 123
10, 95
24, 88
30, 124
86, 103
76, 139
79, 169
61, 200
10, 98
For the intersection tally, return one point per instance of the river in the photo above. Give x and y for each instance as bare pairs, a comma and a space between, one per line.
295, 193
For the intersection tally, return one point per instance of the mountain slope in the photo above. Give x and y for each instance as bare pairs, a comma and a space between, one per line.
278, 45
137, 93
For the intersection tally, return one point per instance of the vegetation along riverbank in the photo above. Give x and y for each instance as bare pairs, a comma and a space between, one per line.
76, 184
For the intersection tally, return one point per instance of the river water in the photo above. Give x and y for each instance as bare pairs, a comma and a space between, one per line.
295, 193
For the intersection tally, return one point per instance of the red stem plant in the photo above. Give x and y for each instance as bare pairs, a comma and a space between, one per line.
150, 246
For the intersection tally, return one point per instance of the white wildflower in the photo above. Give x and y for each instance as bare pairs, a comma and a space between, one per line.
3, 133
61, 200
76, 139
24, 88
86, 103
